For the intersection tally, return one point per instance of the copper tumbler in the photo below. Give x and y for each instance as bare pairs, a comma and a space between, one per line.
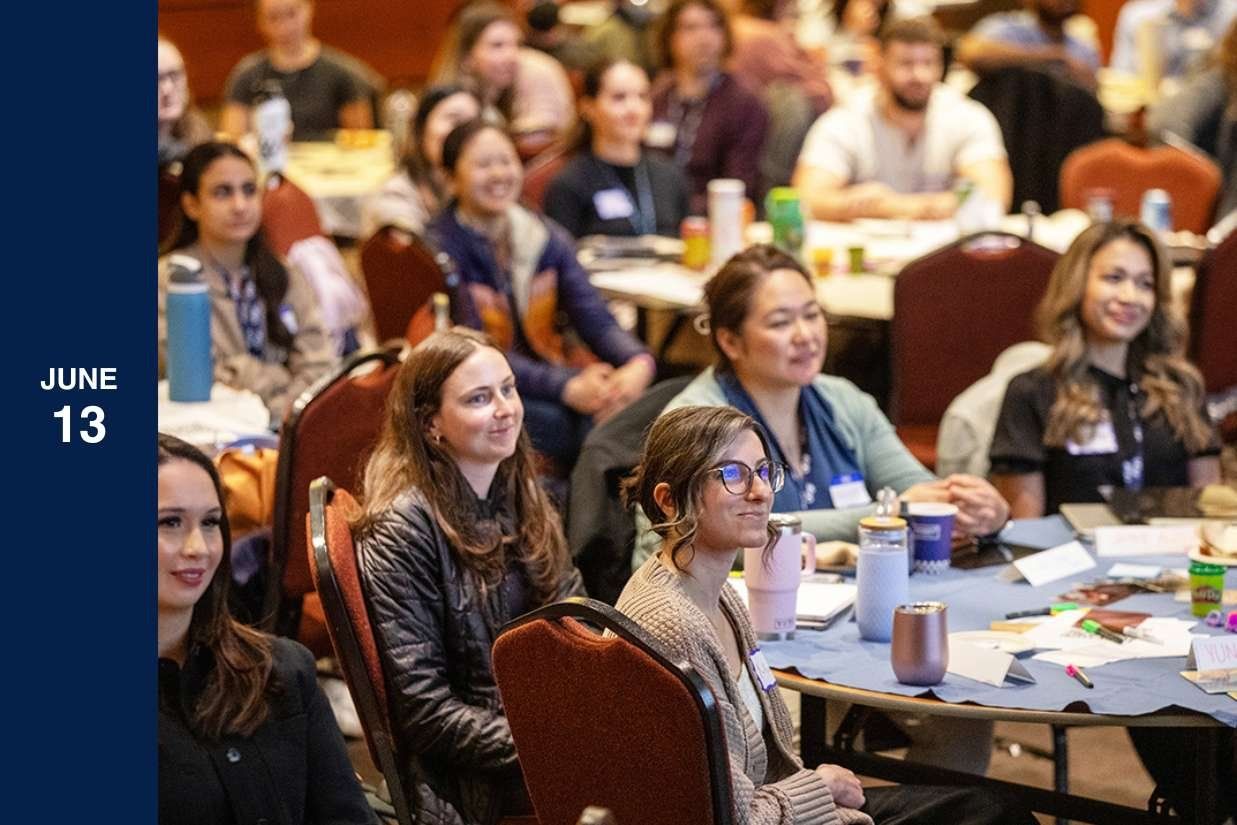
920, 652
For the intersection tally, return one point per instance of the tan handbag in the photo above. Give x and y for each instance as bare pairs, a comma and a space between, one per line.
248, 477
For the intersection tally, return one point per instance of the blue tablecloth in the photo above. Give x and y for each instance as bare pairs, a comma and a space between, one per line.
975, 598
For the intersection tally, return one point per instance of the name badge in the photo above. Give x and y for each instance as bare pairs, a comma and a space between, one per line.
613, 204
289, 318
1103, 441
660, 134
764, 674
848, 490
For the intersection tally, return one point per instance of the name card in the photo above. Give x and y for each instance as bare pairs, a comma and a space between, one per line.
992, 667
1050, 565
1213, 653
1145, 540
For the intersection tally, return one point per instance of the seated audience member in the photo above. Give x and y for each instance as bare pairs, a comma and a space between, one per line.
546, 33
1204, 112
1116, 405
456, 538
519, 280
612, 186
856, 28
267, 334
414, 194
765, 52
228, 694
325, 88
769, 334
898, 150
702, 116
1036, 37
1185, 30
708, 478
181, 125
624, 35
526, 88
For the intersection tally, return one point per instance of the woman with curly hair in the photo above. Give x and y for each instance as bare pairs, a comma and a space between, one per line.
456, 539
245, 733
1117, 404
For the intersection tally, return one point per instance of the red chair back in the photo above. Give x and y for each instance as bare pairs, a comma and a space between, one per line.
169, 193
288, 215
1127, 171
539, 172
954, 311
1213, 316
330, 431
594, 716
332, 560
401, 273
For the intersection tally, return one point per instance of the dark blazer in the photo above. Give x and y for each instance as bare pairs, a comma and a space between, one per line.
293, 770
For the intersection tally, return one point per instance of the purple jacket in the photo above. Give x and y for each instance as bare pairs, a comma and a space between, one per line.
523, 309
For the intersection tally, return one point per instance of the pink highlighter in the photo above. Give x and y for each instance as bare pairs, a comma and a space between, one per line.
1076, 673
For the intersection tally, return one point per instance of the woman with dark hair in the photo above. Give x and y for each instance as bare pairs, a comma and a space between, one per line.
707, 479
521, 283
612, 186
1117, 404
702, 117
456, 538
414, 194
245, 733
526, 88
266, 328
765, 52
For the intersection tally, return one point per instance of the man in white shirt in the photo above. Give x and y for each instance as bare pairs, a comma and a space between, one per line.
900, 150
1185, 31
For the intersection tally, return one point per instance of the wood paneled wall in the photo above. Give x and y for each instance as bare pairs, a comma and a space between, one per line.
396, 37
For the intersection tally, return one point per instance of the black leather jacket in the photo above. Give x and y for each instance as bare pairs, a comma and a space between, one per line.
434, 628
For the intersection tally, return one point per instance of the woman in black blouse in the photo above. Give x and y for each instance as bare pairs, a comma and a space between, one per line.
1117, 404
612, 186
245, 733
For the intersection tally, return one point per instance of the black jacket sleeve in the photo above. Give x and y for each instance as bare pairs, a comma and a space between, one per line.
403, 575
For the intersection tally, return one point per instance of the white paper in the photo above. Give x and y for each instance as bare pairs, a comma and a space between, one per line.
1059, 632
984, 664
1051, 565
1125, 570
1213, 653
1145, 540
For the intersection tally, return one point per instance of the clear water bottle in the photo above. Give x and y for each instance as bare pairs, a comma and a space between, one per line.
881, 574
272, 123
397, 112
442, 311
189, 364
1157, 210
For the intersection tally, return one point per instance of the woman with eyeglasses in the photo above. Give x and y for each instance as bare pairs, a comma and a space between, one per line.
707, 479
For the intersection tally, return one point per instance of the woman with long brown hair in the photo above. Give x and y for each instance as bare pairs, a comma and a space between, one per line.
245, 733
456, 538
1117, 404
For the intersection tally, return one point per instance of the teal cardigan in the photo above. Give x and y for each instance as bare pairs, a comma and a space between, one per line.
885, 461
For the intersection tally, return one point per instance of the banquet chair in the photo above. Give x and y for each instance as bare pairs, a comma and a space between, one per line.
332, 561
169, 194
540, 171
1191, 179
401, 272
329, 431
594, 716
1213, 314
288, 215
954, 311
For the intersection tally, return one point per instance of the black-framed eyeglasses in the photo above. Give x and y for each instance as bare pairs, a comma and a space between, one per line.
737, 477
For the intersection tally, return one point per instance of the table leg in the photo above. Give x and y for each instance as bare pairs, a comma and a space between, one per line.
1060, 764
813, 723
1206, 756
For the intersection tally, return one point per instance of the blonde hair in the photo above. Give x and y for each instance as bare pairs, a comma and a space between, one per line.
1171, 385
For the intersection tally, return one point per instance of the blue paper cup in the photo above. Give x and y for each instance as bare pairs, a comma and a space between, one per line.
931, 534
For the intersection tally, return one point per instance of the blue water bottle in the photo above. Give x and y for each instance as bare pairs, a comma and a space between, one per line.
190, 369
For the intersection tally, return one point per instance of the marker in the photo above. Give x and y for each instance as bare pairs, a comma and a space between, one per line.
1059, 607
1135, 632
1076, 673
1094, 627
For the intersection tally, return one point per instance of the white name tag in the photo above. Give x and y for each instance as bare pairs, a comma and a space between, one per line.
289, 318
764, 674
613, 204
849, 491
660, 135
1103, 441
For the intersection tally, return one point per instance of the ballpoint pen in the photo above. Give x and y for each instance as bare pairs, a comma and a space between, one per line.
1135, 632
1094, 627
